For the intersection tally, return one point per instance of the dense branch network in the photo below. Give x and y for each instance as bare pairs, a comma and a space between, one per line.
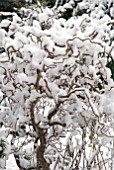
54, 82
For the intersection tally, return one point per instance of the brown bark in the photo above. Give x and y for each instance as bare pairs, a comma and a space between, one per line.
41, 161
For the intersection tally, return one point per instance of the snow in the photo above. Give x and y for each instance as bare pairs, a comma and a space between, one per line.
11, 164
2, 37
5, 23
64, 61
